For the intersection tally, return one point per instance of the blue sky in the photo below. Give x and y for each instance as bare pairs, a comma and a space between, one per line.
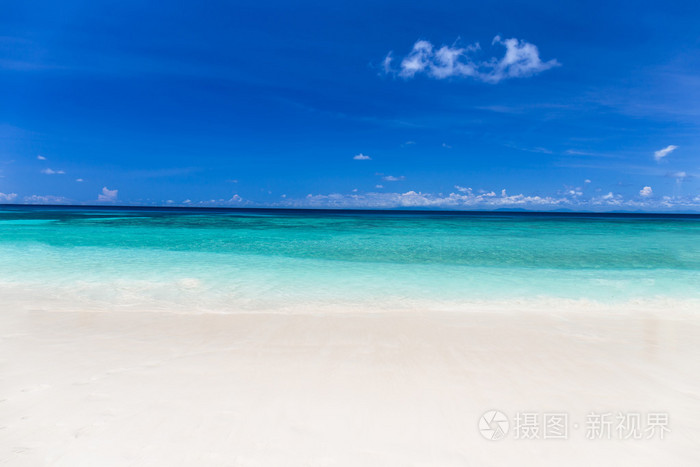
460, 105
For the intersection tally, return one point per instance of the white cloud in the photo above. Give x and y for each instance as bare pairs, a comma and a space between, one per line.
391, 178
41, 158
572, 199
417, 60
386, 63
521, 59
7, 197
446, 146
427, 200
52, 172
46, 199
362, 157
107, 195
378, 186
79, 180
586, 181
234, 200
646, 192
661, 153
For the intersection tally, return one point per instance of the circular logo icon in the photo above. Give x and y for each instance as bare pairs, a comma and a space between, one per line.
494, 425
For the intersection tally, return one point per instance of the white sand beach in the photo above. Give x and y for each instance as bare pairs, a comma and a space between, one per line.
345, 389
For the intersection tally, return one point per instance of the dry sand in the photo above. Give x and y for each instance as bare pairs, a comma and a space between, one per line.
348, 389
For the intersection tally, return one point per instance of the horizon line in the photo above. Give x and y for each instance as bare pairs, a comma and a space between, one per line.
558, 212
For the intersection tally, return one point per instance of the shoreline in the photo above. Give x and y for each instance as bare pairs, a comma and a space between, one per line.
189, 300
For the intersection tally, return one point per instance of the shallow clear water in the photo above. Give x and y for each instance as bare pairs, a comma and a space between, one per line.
228, 260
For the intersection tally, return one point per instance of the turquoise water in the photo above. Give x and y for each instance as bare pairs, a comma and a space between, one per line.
228, 260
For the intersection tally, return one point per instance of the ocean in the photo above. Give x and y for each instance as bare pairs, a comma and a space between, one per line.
237, 260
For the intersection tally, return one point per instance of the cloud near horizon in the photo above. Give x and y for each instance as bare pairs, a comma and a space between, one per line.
362, 157
7, 197
107, 195
46, 199
521, 59
463, 199
466, 199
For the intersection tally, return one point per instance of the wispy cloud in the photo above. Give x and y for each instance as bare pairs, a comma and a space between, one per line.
576, 152
49, 171
7, 197
362, 157
386, 63
391, 178
41, 158
46, 199
79, 180
521, 59
661, 153
235, 200
679, 175
416, 199
107, 195
538, 149
465, 198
